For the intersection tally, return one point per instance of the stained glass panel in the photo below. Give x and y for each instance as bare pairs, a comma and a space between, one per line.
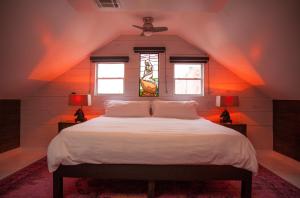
149, 75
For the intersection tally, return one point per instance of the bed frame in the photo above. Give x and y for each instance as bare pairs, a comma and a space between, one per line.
152, 173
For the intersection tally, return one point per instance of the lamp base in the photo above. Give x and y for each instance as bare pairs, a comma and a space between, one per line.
79, 116
225, 117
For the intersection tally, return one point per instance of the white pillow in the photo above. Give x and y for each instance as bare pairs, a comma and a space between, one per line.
120, 108
175, 109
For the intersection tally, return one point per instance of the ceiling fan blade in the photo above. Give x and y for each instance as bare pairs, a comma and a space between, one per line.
159, 29
139, 27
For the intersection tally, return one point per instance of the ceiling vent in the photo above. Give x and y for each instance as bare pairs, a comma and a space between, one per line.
108, 3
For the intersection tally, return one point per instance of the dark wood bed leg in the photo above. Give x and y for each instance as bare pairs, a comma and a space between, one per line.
247, 187
57, 185
151, 189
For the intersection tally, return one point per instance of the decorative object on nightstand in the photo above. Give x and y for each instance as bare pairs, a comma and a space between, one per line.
79, 100
226, 101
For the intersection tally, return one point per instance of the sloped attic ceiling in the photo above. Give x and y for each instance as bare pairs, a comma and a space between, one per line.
256, 39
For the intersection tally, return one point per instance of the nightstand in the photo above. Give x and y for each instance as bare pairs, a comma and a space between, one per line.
242, 128
62, 125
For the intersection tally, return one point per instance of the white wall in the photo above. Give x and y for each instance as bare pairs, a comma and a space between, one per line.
42, 110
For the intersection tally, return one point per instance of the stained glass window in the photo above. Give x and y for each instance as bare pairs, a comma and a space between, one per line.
149, 75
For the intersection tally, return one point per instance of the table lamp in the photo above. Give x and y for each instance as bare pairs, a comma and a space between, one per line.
226, 101
80, 100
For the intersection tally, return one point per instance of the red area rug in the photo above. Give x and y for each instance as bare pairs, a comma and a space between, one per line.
36, 181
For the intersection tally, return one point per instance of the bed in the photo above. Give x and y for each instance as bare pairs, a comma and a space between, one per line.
151, 149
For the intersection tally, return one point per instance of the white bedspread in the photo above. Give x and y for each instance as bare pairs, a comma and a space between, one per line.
150, 141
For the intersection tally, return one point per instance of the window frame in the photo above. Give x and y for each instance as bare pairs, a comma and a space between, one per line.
201, 79
110, 78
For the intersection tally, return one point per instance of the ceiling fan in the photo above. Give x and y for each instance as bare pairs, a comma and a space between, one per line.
148, 27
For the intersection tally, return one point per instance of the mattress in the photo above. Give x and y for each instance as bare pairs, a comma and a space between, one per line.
160, 141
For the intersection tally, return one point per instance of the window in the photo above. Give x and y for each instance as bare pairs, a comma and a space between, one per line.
110, 78
149, 75
188, 78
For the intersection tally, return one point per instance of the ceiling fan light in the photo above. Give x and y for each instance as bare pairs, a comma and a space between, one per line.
147, 33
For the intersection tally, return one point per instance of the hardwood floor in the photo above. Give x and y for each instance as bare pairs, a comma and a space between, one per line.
16, 159
283, 166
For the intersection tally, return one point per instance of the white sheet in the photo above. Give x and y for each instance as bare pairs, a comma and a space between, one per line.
113, 140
